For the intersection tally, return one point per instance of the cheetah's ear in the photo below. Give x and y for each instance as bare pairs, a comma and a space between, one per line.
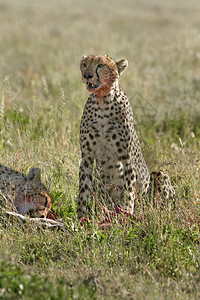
122, 65
84, 56
34, 173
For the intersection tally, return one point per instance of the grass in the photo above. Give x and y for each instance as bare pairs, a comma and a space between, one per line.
41, 102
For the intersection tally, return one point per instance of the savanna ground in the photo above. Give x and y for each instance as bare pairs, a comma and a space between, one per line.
41, 102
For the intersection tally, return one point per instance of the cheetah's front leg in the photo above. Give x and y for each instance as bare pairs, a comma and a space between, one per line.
130, 179
85, 184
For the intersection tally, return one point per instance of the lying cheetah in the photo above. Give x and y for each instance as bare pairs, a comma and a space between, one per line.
27, 193
108, 137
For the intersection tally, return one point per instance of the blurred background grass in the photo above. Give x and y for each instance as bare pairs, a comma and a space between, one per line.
41, 102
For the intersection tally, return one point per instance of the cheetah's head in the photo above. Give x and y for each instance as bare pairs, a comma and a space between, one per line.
31, 196
99, 73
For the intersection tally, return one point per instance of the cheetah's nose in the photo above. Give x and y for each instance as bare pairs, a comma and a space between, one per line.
88, 75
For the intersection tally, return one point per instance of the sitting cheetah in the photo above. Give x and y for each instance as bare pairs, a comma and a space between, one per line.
27, 193
108, 137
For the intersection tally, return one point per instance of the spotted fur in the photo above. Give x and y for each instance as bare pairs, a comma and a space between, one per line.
27, 193
108, 137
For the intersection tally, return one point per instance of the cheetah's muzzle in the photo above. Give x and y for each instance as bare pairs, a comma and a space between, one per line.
91, 86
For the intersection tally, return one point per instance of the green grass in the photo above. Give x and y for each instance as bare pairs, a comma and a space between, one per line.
41, 102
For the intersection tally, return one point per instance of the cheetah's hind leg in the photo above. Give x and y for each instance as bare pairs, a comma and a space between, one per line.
161, 188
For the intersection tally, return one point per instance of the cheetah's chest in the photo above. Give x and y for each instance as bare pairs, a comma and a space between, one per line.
102, 136
104, 148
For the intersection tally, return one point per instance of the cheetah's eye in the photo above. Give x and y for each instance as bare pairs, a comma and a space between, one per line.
84, 65
100, 66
